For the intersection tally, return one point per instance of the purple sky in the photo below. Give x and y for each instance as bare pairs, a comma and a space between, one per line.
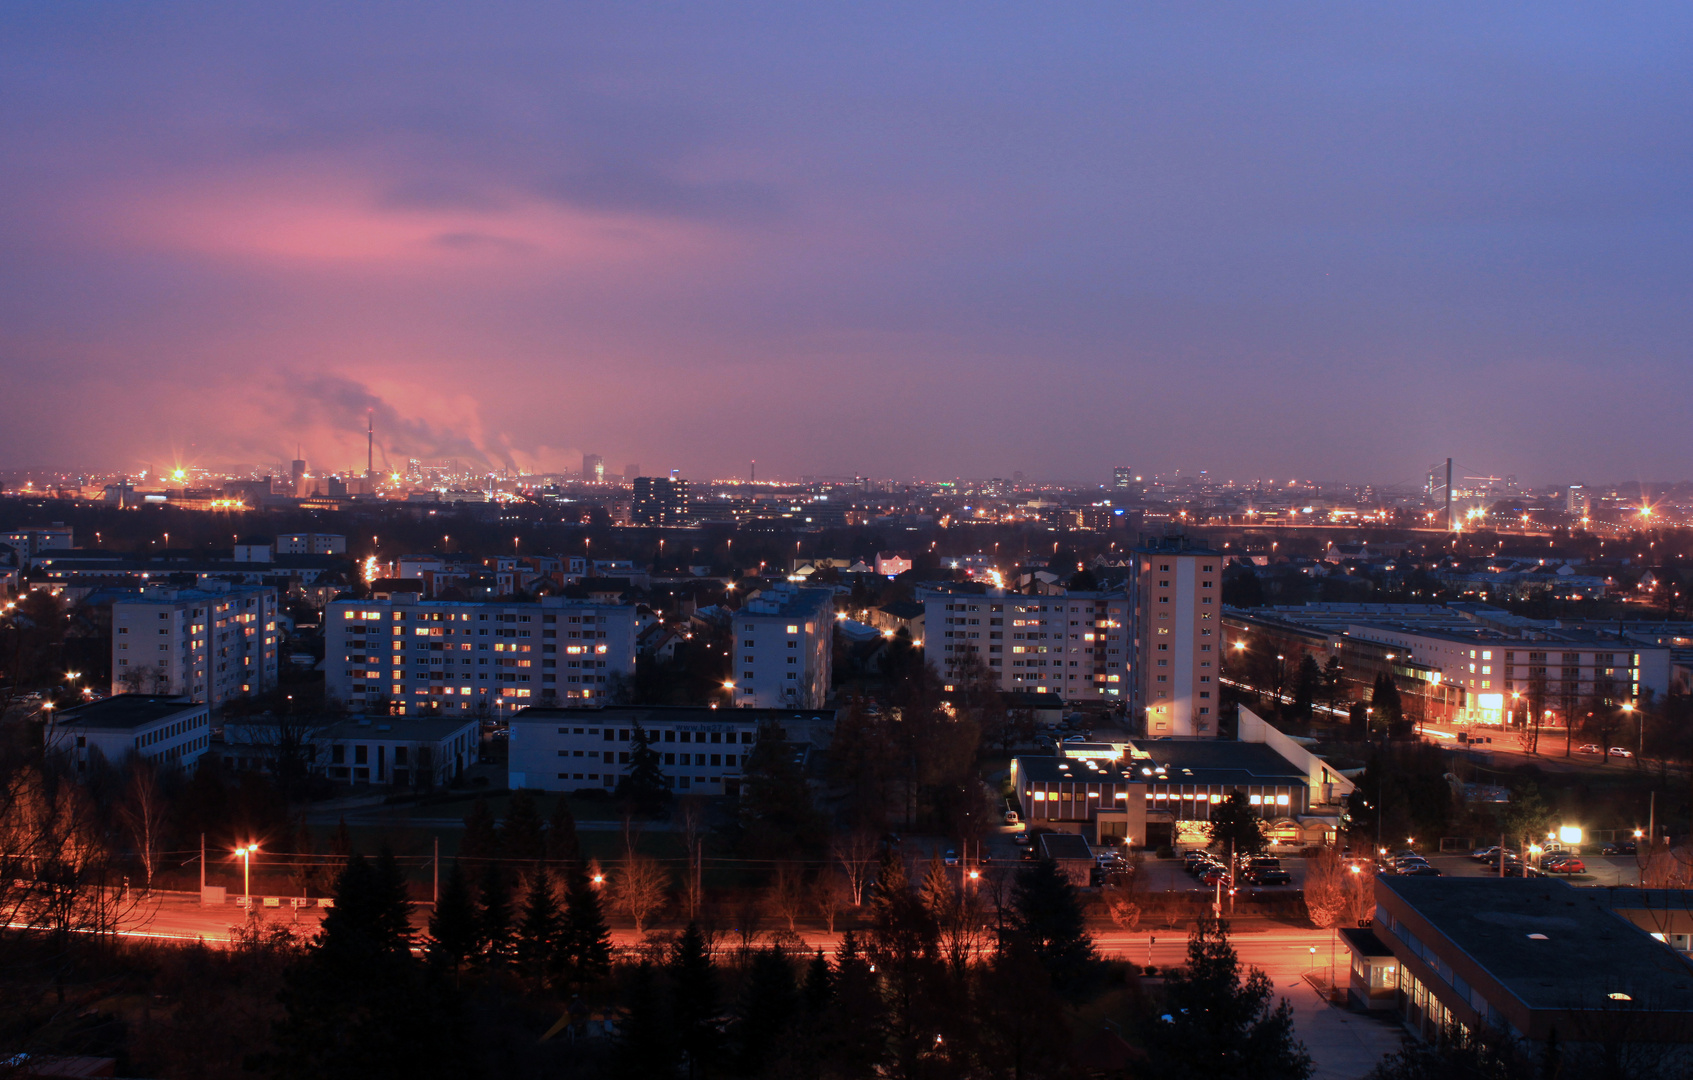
1289, 240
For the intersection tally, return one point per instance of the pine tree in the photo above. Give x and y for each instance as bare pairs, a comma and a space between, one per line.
538, 929
453, 930
564, 847
358, 1004
1220, 1026
481, 840
643, 786
1236, 825
585, 952
1046, 915
494, 915
646, 1045
694, 1005
818, 992
521, 835
765, 1010
853, 1031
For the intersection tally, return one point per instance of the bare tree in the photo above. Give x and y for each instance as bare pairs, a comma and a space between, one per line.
693, 831
1326, 899
830, 895
857, 855
1125, 912
638, 888
786, 897
143, 813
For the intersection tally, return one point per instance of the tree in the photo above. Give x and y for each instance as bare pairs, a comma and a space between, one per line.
1326, 888
853, 1032
359, 1004
1236, 826
564, 847
694, 1009
521, 833
494, 915
1389, 710
481, 839
537, 930
1526, 817
143, 815
453, 930
1332, 682
765, 1010
1046, 916
1307, 682
638, 889
646, 1044
1217, 1024
585, 947
904, 950
856, 852
643, 785
830, 895
777, 815
786, 897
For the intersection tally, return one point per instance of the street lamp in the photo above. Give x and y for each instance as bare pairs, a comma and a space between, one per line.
246, 851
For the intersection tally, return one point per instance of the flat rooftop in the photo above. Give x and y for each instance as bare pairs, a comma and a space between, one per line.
1172, 761
659, 715
1583, 950
126, 712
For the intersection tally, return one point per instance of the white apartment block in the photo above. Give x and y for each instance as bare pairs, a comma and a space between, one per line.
159, 727
311, 544
206, 645
784, 639
1562, 671
1177, 587
1076, 645
702, 751
414, 655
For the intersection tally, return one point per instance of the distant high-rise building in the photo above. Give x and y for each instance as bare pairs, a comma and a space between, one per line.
1122, 477
1176, 586
297, 477
593, 468
630, 471
660, 501
1579, 503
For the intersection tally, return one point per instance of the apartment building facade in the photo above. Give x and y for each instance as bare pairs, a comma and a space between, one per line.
408, 655
701, 751
1176, 586
784, 639
1076, 645
206, 645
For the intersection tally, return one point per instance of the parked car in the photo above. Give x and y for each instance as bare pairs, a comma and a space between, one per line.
1020, 839
951, 857
1589, 748
1425, 870
1214, 875
1621, 847
1483, 854
1267, 872
1563, 864
1618, 751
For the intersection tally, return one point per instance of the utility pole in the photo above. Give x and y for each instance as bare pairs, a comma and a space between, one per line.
435, 891
1448, 494
202, 865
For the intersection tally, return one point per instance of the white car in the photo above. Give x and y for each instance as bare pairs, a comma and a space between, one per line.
1617, 751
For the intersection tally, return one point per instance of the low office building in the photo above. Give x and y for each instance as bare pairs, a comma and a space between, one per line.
701, 750
784, 645
408, 655
1156, 792
1539, 959
163, 728
402, 752
207, 644
1076, 645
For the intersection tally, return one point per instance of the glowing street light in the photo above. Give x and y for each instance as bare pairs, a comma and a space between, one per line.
247, 851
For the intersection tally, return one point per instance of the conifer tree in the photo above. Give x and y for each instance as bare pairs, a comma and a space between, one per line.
538, 929
521, 833
646, 1042
585, 952
643, 786
494, 915
818, 992
453, 930
694, 1003
1046, 914
481, 839
564, 847
765, 1010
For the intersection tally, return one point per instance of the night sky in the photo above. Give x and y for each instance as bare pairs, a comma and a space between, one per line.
1331, 241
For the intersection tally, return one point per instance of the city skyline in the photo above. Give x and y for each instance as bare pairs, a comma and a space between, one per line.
889, 243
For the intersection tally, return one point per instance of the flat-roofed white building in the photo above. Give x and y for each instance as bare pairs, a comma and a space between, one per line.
701, 750
784, 638
163, 728
208, 645
415, 655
